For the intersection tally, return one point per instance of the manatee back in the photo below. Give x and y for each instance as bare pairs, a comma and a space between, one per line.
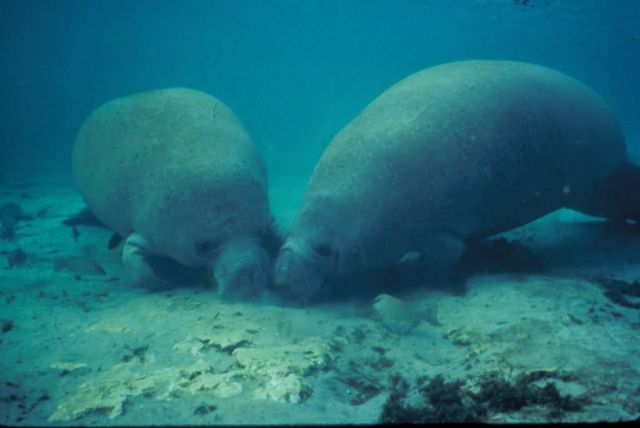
166, 159
474, 147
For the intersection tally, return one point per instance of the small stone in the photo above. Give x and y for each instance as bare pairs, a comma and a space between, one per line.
398, 315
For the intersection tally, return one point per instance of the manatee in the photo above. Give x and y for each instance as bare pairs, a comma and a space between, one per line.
175, 172
453, 153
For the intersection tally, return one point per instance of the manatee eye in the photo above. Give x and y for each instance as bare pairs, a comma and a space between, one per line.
206, 248
323, 250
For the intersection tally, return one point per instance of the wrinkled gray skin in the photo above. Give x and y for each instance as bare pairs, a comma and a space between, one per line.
455, 152
175, 172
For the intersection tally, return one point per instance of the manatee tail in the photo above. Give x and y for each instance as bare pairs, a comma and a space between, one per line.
619, 200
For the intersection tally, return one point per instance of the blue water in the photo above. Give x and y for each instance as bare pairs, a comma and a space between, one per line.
295, 71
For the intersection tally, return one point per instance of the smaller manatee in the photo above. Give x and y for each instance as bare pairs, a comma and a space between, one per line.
174, 172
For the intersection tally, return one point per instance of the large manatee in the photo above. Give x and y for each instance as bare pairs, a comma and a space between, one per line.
452, 153
174, 171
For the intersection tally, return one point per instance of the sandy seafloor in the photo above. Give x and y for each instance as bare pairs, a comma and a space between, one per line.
79, 346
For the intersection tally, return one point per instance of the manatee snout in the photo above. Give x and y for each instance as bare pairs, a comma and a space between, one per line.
300, 271
241, 270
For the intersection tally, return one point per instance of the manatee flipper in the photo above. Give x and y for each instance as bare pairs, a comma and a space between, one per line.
84, 217
136, 259
114, 241
439, 252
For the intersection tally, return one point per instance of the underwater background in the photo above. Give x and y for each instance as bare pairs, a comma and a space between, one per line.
79, 347
295, 72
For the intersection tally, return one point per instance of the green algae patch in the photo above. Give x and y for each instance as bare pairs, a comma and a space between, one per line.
282, 370
108, 392
279, 371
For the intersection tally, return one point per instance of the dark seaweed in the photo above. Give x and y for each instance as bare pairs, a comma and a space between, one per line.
358, 334
617, 291
396, 411
451, 402
204, 409
500, 395
443, 402
365, 390
138, 352
382, 361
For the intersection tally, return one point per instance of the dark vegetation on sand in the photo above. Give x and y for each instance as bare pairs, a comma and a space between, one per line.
443, 401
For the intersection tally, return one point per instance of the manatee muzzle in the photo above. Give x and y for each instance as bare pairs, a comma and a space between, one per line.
241, 270
298, 273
